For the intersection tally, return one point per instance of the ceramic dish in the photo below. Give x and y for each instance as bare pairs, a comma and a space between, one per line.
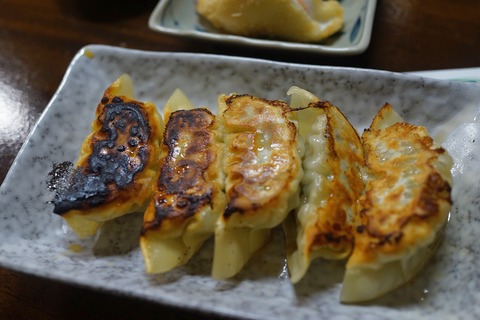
180, 19
33, 240
462, 74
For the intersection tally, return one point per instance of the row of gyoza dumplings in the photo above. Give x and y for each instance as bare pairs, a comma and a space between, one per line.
380, 200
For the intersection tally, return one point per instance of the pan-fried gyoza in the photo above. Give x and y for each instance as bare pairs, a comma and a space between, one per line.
263, 168
403, 209
379, 201
118, 161
322, 225
189, 195
294, 20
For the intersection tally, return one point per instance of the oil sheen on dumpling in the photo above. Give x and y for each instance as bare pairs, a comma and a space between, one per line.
294, 20
117, 164
403, 209
189, 195
331, 185
263, 169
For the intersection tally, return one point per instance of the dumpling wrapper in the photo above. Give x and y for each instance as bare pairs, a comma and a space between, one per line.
117, 164
262, 164
403, 209
322, 226
177, 101
189, 195
301, 21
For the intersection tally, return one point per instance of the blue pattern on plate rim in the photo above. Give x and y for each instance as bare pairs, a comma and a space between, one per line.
355, 31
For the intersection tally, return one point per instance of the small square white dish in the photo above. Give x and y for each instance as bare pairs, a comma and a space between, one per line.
179, 18
33, 240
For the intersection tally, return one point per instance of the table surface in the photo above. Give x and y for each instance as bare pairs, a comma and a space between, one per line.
38, 39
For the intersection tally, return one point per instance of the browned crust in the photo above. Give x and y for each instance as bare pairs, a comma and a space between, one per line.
435, 191
251, 180
395, 224
183, 185
118, 150
333, 229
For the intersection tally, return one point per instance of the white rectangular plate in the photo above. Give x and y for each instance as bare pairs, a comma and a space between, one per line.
180, 19
33, 240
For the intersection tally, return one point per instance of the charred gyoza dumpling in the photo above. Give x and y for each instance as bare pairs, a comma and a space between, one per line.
262, 164
189, 195
118, 162
403, 209
322, 226
294, 20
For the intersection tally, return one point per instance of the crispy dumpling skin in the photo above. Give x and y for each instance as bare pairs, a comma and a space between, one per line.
189, 195
403, 209
117, 164
323, 223
263, 168
302, 21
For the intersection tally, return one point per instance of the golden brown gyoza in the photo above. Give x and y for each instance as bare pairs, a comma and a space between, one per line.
189, 193
403, 209
263, 169
118, 161
322, 225
294, 20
